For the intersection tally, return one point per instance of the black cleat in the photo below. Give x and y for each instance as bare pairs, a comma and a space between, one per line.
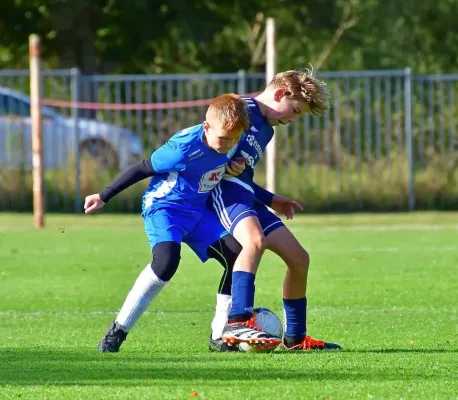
112, 341
219, 345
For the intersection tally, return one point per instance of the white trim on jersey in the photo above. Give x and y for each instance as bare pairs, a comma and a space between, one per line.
164, 189
250, 102
239, 182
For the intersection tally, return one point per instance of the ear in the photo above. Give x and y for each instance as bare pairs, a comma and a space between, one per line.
206, 126
278, 94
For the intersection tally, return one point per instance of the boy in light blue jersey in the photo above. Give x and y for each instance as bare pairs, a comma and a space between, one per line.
240, 206
184, 171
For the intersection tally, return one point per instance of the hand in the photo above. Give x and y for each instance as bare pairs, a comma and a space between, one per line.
285, 206
236, 166
92, 204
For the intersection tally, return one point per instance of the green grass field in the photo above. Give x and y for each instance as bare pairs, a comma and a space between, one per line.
383, 286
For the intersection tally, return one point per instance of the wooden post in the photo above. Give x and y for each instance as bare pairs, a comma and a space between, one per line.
35, 116
270, 73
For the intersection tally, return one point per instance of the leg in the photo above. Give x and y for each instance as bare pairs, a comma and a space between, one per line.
225, 251
242, 286
210, 240
166, 257
283, 243
164, 229
248, 233
234, 207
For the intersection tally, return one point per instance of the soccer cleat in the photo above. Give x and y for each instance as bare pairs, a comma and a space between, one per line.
112, 341
311, 344
248, 332
219, 345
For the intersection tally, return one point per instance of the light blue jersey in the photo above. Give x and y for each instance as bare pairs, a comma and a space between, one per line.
174, 205
186, 171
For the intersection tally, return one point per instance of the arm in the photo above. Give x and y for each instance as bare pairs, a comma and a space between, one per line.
281, 204
129, 177
168, 157
263, 195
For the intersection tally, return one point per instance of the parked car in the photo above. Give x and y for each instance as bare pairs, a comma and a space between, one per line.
108, 144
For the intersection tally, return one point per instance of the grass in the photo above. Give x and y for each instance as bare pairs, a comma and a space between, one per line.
382, 285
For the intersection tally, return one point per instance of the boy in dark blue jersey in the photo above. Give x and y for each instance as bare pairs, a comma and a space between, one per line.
184, 171
288, 96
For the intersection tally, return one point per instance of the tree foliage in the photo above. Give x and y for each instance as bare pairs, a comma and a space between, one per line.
142, 36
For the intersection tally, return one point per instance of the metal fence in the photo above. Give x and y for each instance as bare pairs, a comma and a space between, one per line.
388, 142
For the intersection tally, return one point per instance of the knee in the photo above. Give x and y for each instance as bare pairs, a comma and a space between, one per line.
257, 243
166, 258
300, 262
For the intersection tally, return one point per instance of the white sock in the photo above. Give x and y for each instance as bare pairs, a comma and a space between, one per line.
145, 289
223, 306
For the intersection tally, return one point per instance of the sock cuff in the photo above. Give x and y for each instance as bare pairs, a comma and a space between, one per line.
223, 302
148, 271
293, 302
224, 298
243, 275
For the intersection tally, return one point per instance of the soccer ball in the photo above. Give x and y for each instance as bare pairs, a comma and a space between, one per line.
269, 322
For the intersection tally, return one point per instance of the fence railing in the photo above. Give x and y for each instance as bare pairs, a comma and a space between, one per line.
388, 143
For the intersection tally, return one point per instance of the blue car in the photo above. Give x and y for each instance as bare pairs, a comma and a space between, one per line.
110, 145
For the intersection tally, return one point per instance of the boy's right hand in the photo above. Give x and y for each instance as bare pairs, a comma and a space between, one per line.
93, 203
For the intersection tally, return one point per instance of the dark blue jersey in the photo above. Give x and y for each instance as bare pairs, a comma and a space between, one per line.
252, 144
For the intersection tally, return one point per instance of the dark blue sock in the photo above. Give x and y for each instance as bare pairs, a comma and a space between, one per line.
242, 294
295, 317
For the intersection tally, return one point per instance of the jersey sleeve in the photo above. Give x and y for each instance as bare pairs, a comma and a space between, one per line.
263, 195
169, 157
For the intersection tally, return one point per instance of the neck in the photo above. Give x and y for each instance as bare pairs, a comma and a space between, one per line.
261, 100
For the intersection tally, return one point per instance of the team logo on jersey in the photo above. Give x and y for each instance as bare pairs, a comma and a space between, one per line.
211, 178
254, 143
196, 154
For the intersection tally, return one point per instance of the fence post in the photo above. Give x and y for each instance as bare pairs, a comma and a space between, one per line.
35, 116
75, 75
241, 82
409, 138
270, 73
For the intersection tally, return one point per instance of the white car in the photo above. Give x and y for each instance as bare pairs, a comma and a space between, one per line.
110, 145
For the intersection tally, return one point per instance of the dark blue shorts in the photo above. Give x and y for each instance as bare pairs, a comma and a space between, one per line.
232, 202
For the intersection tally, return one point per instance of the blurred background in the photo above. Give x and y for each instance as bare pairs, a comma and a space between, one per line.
137, 71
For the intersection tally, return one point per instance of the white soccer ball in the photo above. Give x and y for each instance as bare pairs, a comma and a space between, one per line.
269, 322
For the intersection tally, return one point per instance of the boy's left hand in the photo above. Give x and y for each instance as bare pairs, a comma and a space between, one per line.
285, 206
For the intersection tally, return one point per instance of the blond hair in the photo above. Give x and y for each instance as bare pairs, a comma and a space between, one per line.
303, 86
231, 110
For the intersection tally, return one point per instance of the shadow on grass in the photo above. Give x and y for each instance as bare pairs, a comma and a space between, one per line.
37, 367
411, 351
